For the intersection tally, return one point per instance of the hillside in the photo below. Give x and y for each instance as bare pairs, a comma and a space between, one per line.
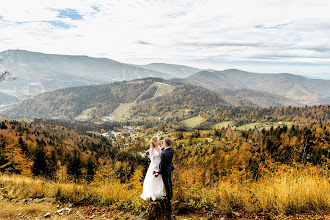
153, 102
177, 71
70, 102
303, 90
38, 72
117, 100
7, 99
190, 97
256, 98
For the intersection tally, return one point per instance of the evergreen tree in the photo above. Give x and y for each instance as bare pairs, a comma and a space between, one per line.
39, 160
91, 167
75, 164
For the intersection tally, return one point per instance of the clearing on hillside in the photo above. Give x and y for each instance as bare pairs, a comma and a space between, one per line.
176, 113
263, 125
193, 122
163, 89
249, 126
224, 124
124, 108
85, 115
254, 125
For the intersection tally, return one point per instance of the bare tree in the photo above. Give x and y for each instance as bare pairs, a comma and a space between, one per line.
5, 75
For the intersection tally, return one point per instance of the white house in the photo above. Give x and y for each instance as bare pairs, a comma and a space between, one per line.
109, 119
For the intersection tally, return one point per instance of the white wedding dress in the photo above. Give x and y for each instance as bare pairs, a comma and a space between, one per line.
153, 186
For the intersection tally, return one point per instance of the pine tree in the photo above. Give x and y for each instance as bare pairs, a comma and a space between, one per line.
91, 167
75, 164
39, 161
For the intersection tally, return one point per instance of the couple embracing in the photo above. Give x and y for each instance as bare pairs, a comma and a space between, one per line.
159, 171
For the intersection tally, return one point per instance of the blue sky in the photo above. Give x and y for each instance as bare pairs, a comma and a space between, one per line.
256, 35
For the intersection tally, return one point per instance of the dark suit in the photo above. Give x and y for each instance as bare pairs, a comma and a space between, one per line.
165, 169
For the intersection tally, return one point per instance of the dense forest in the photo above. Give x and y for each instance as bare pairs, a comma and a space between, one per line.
30, 146
70, 102
51, 151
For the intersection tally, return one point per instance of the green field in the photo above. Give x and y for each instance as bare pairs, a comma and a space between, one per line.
254, 125
260, 125
276, 124
223, 124
139, 118
122, 110
85, 115
178, 113
193, 122
163, 89
249, 126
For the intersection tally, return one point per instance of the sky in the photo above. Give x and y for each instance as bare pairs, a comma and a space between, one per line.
267, 36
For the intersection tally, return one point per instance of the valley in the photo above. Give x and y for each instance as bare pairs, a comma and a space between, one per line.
164, 110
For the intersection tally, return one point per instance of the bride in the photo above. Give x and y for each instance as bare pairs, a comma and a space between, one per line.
153, 183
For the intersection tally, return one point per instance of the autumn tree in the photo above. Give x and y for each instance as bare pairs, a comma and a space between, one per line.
16, 161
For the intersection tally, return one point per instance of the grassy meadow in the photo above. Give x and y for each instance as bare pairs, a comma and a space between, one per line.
163, 89
193, 122
283, 190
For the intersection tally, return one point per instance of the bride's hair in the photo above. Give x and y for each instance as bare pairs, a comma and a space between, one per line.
153, 139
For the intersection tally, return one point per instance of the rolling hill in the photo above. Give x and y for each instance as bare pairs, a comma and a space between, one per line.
115, 99
177, 71
256, 98
38, 72
7, 99
303, 90
141, 98
70, 102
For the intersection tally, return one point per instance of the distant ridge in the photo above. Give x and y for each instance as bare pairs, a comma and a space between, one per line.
39, 72
7, 99
177, 71
303, 90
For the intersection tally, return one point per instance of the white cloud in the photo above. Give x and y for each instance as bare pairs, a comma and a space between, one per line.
292, 35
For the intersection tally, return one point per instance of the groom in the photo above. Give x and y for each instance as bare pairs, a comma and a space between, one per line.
166, 167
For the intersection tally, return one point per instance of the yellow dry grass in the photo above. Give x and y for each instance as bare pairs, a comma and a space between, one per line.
285, 190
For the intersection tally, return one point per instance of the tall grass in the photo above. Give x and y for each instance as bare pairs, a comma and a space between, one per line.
289, 190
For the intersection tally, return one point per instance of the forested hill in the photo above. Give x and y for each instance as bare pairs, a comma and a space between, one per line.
103, 100
121, 99
70, 102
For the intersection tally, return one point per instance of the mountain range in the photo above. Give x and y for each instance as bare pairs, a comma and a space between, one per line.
38, 73
172, 69
302, 90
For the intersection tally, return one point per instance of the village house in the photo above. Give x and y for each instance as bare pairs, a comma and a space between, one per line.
108, 119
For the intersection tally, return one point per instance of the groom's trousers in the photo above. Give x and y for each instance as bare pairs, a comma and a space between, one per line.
168, 185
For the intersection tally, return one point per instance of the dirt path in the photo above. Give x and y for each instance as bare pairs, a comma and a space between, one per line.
48, 209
